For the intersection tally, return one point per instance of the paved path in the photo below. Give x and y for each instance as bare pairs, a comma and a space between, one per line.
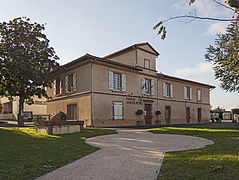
131, 154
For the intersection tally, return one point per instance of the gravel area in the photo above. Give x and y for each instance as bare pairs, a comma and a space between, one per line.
131, 154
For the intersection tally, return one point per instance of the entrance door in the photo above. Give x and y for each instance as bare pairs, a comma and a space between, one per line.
187, 114
148, 113
168, 114
199, 114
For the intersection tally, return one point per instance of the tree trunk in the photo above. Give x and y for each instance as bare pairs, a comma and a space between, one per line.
20, 112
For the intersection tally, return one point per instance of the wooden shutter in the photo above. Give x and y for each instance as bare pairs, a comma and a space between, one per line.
143, 85
115, 110
120, 111
54, 87
74, 81
66, 84
123, 76
60, 85
164, 89
110, 80
191, 94
152, 87
199, 95
171, 90
185, 92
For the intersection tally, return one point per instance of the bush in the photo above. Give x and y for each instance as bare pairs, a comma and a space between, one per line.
139, 112
157, 113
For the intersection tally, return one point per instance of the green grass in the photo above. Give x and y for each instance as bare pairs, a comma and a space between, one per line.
25, 154
217, 161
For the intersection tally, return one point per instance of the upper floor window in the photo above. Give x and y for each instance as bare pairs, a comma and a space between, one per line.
117, 81
187, 92
167, 90
70, 82
146, 63
199, 95
147, 86
57, 86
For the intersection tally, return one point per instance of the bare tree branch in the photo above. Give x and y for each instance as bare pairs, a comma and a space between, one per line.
198, 17
221, 4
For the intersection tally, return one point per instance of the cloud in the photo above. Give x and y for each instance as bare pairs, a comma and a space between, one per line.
216, 28
201, 68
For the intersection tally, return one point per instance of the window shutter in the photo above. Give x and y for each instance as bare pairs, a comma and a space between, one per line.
54, 87
191, 97
74, 81
185, 92
120, 112
60, 86
110, 80
152, 87
115, 111
164, 89
143, 85
171, 90
123, 82
66, 84
199, 95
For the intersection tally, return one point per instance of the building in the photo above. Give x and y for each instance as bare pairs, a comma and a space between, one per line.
108, 91
11, 108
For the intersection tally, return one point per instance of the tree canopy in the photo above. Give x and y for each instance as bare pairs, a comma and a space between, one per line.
225, 56
27, 61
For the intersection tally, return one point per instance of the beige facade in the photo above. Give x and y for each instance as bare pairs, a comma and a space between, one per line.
10, 108
108, 91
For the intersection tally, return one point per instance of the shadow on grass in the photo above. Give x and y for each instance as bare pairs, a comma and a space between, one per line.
26, 154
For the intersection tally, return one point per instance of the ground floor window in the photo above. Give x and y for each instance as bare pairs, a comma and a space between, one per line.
72, 111
118, 110
7, 108
168, 114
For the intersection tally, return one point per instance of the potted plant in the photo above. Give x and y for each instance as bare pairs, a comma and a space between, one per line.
139, 112
157, 113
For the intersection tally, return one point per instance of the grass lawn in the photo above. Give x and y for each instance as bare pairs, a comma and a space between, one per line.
25, 154
214, 162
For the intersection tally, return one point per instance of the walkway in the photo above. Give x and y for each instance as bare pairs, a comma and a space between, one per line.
131, 154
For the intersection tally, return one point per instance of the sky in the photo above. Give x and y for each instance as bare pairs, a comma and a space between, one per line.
101, 27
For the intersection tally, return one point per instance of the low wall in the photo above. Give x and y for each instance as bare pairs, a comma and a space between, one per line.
7, 117
64, 127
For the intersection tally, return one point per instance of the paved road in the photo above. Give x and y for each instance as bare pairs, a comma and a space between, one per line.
131, 154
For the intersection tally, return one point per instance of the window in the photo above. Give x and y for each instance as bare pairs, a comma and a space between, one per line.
72, 111
167, 90
57, 85
146, 63
7, 108
147, 86
70, 83
187, 93
116, 82
118, 110
199, 98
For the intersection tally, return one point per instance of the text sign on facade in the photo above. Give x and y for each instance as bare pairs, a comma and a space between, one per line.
133, 101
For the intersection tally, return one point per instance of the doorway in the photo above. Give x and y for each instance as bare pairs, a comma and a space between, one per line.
199, 114
187, 114
148, 113
168, 114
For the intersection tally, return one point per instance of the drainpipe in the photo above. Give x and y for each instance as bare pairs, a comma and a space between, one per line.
92, 95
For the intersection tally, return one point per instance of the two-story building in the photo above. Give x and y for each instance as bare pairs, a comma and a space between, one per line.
108, 91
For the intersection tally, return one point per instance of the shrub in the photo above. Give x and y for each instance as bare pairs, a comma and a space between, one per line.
235, 111
139, 112
157, 113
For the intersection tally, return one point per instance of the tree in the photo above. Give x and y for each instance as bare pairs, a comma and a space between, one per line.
219, 110
27, 62
233, 6
225, 57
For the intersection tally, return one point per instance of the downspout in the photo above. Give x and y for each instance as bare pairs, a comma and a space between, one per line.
92, 95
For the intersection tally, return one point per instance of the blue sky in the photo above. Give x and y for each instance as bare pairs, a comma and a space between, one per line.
100, 27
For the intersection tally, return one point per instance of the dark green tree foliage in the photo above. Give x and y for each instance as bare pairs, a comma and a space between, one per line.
26, 61
225, 56
218, 110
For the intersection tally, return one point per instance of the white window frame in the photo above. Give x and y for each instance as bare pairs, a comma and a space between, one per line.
118, 110
147, 63
199, 95
117, 84
147, 86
